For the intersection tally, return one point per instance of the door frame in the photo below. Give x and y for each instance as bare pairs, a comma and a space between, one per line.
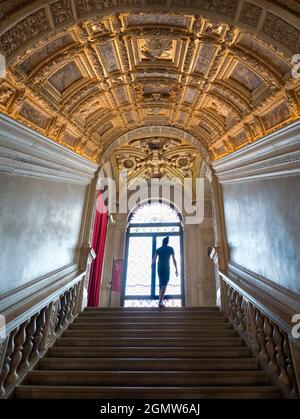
154, 235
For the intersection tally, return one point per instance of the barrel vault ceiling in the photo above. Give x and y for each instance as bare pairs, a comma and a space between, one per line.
86, 72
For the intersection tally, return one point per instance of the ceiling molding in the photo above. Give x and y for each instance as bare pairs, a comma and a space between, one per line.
275, 155
25, 152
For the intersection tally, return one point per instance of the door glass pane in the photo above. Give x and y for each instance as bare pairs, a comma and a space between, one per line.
174, 286
155, 213
138, 278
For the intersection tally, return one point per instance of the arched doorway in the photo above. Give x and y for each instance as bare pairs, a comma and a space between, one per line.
147, 227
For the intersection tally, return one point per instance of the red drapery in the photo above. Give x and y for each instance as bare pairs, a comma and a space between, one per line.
98, 244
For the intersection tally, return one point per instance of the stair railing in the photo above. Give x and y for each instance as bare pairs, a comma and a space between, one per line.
277, 351
29, 339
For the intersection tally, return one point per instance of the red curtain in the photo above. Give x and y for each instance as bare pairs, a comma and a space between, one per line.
98, 244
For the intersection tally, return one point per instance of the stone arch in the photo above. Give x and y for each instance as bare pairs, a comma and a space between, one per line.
153, 131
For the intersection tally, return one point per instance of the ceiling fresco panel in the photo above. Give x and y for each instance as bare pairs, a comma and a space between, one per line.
65, 77
276, 115
245, 77
36, 58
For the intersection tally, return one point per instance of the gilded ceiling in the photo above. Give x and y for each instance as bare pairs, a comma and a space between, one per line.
86, 72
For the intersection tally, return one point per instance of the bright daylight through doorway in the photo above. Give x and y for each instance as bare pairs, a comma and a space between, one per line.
148, 225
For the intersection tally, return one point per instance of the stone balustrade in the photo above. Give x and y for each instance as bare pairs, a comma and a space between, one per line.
269, 342
28, 342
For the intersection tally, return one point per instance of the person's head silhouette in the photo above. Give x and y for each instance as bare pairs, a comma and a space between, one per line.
165, 241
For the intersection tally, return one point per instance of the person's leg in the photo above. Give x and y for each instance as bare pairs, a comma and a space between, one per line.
162, 287
162, 292
164, 276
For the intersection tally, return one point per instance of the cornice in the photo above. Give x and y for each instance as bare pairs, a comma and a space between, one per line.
275, 155
25, 152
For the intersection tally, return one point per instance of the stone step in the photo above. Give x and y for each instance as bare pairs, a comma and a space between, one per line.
152, 325
154, 320
139, 333
112, 310
105, 392
136, 352
146, 378
144, 364
141, 342
148, 354
159, 314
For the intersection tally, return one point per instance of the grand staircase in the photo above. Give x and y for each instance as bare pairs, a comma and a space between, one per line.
151, 354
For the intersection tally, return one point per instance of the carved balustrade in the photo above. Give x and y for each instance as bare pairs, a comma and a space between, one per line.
270, 343
28, 342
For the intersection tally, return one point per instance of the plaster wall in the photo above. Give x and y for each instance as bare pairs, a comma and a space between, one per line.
40, 223
263, 227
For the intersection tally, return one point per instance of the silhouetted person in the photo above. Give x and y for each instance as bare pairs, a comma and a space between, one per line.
164, 253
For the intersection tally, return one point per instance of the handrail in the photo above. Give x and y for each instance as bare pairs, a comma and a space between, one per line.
15, 314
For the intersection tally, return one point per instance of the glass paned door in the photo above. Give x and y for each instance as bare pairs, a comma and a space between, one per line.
141, 281
148, 225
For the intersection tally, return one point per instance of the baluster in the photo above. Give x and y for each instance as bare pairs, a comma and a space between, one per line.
270, 347
231, 305
62, 313
235, 308
244, 319
33, 352
289, 366
57, 316
28, 345
64, 309
53, 321
6, 363
16, 356
72, 303
40, 321
239, 312
261, 337
78, 291
280, 357
68, 306
252, 320
46, 319
77, 294
228, 290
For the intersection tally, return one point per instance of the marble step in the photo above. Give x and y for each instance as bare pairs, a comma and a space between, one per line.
143, 364
149, 392
212, 326
149, 341
146, 333
146, 378
145, 352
